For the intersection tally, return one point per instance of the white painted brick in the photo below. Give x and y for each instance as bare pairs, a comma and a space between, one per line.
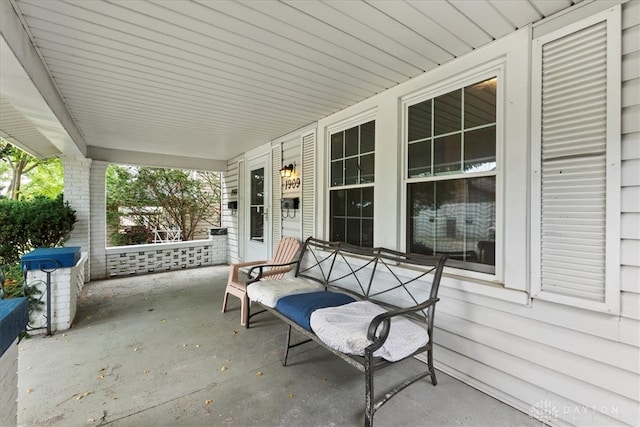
63, 295
9, 386
61, 321
9, 360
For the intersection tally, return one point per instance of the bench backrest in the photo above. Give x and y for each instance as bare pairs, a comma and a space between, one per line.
390, 278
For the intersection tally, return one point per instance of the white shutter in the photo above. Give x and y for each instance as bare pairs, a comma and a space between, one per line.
577, 159
241, 209
276, 195
308, 185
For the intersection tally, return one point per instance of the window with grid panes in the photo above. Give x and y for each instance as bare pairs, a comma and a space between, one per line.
352, 171
451, 176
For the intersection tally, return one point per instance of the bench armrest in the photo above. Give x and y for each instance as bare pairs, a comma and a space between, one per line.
385, 320
274, 270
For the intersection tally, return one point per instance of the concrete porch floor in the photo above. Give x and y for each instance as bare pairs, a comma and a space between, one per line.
156, 350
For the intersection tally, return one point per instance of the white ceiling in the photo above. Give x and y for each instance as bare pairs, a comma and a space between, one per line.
212, 79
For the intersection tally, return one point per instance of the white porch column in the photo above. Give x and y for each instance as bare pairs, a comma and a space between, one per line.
98, 232
77, 192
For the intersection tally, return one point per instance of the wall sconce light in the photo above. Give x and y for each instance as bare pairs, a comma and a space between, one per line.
287, 170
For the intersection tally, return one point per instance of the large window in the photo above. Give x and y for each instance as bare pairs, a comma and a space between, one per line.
352, 173
451, 176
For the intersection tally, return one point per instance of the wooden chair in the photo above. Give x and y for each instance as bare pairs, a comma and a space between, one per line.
285, 253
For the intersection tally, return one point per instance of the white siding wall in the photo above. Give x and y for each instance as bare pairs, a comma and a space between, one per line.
294, 221
580, 366
229, 218
563, 364
566, 365
630, 200
291, 221
290, 147
569, 366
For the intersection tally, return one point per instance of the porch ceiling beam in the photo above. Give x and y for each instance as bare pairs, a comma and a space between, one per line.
26, 83
155, 159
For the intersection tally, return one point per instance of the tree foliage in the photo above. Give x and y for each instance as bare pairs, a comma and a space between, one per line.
28, 224
160, 198
46, 179
24, 176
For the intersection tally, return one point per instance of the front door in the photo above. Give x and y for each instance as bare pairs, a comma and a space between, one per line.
257, 237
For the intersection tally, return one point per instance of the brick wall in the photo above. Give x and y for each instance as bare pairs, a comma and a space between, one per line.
159, 257
77, 193
98, 232
65, 285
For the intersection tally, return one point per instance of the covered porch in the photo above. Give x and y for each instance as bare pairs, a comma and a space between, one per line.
156, 350
548, 321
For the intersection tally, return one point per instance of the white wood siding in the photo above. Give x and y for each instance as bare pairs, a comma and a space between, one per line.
291, 219
630, 176
564, 364
582, 366
229, 217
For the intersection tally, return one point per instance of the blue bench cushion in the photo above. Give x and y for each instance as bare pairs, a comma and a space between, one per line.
299, 307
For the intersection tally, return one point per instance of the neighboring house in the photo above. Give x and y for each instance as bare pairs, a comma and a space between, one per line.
157, 225
547, 319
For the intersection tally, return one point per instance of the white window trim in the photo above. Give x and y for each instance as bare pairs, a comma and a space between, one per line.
611, 302
339, 126
514, 51
493, 69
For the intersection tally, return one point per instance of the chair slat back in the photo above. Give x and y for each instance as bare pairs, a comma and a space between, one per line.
285, 252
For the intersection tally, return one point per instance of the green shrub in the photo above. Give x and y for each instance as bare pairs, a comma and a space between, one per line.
12, 282
28, 224
11, 279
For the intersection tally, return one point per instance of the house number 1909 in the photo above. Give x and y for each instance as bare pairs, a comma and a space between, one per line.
291, 183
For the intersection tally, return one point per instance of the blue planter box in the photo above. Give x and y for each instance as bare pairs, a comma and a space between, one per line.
51, 258
14, 315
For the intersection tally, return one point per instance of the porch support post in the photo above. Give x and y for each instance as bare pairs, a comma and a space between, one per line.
98, 232
77, 192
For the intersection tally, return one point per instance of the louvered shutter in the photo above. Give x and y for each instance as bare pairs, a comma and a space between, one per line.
241, 209
576, 153
276, 195
308, 185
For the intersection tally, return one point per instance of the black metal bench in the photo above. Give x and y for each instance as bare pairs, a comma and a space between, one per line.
405, 285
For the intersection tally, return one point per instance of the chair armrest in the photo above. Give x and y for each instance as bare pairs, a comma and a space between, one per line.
235, 268
247, 263
385, 320
274, 270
